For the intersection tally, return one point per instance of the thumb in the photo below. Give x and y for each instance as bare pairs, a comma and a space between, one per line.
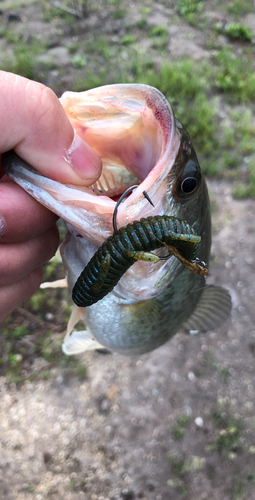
36, 126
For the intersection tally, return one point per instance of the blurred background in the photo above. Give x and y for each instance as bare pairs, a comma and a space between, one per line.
201, 55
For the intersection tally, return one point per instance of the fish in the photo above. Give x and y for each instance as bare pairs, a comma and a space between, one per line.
133, 129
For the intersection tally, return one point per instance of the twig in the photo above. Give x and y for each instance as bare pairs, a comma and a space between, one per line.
41, 322
74, 12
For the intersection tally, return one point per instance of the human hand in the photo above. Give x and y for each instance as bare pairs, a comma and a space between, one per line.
34, 124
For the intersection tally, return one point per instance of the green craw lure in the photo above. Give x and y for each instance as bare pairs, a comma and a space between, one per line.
131, 243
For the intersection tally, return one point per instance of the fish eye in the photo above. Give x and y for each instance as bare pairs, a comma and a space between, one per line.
189, 182
189, 185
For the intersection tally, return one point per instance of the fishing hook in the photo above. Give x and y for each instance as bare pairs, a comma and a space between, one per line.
128, 190
114, 217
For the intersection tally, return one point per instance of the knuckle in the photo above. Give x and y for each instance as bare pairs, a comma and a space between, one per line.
43, 104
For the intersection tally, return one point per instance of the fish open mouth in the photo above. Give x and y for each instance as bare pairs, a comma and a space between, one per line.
131, 128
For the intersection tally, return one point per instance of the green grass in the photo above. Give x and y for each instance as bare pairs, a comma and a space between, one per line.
114, 2
158, 31
73, 47
81, 371
239, 490
73, 484
186, 87
158, 35
246, 190
238, 31
238, 144
239, 8
228, 433
224, 374
119, 14
145, 10
24, 62
221, 145
78, 61
101, 46
178, 431
177, 465
186, 7
142, 23
20, 331
191, 10
235, 31
180, 466
179, 81
234, 77
50, 349
51, 12
30, 489
127, 39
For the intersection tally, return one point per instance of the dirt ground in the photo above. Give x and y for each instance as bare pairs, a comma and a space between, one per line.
178, 423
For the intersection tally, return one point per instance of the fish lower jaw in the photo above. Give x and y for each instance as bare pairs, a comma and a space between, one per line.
114, 180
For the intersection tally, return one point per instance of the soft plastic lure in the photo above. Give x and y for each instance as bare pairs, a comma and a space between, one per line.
134, 242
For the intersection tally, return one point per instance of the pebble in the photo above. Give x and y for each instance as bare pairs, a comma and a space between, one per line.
199, 422
191, 376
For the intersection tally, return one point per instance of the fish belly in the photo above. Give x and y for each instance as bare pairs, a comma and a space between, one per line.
138, 328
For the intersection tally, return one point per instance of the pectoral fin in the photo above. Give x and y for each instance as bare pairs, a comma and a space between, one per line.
212, 310
79, 342
76, 342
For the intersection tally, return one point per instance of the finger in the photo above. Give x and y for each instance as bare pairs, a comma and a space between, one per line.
36, 126
18, 260
12, 295
21, 217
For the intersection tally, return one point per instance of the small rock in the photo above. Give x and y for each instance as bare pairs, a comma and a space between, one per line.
58, 55
127, 495
180, 47
249, 260
191, 376
250, 22
14, 18
199, 422
49, 316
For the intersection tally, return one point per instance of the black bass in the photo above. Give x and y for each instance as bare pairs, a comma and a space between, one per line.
134, 131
